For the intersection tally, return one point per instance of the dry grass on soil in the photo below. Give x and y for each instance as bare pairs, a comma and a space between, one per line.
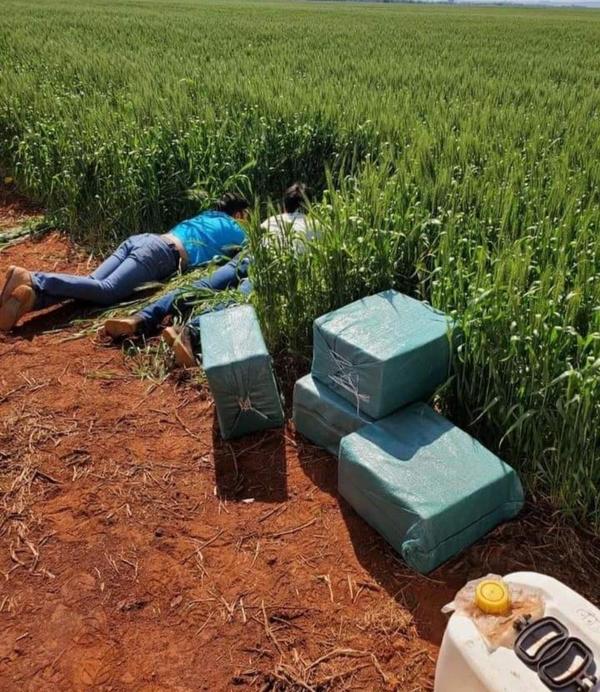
138, 550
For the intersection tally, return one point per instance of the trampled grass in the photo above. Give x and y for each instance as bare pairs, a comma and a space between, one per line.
464, 150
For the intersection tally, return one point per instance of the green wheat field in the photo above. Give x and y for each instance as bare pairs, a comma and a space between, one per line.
454, 153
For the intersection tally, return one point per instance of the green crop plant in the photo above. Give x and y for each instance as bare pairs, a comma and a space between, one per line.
453, 152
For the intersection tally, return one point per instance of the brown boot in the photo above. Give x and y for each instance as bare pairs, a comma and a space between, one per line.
123, 327
15, 276
20, 302
180, 342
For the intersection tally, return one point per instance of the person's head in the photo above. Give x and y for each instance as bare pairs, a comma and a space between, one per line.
233, 204
295, 198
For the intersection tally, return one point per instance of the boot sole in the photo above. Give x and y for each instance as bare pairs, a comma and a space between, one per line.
117, 329
183, 357
5, 294
10, 313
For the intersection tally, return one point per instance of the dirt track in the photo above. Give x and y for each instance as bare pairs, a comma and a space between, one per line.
141, 552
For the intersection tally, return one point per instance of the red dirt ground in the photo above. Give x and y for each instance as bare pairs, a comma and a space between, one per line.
140, 552
14, 208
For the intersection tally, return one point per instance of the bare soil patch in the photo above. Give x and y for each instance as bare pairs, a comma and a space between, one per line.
139, 551
14, 208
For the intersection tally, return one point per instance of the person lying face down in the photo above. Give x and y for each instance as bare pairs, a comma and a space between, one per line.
293, 219
233, 275
140, 259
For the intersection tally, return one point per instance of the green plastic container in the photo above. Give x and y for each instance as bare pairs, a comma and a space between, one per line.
239, 371
425, 485
382, 352
322, 416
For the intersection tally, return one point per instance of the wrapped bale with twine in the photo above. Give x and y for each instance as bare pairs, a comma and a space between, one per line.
425, 485
322, 415
239, 371
382, 352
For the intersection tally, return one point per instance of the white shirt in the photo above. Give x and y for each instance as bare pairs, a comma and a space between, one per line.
297, 222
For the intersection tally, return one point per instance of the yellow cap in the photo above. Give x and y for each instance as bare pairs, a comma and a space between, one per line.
492, 597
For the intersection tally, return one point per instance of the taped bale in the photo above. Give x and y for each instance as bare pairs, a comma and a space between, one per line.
425, 485
239, 371
382, 352
322, 416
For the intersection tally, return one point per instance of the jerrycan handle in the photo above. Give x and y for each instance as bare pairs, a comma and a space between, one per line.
570, 666
537, 640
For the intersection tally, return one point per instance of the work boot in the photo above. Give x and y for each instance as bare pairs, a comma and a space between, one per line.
122, 327
179, 340
20, 302
15, 276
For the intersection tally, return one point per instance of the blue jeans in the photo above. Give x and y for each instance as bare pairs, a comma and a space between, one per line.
140, 259
245, 288
231, 275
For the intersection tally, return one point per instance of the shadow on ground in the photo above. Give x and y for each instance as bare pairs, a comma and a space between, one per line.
535, 541
66, 314
252, 468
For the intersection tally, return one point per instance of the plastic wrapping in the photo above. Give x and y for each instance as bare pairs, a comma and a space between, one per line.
322, 416
466, 664
498, 630
239, 372
427, 486
382, 352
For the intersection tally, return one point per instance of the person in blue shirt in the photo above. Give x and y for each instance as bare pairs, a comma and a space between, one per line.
233, 275
140, 259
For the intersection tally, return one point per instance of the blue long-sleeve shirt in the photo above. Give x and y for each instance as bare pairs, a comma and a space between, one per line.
210, 234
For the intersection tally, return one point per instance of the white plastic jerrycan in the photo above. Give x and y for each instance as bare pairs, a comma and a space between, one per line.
468, 664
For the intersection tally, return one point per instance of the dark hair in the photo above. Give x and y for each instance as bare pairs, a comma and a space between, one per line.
295, 197
232, 203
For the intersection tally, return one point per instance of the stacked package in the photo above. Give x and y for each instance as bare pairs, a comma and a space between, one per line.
239, 371
323, 416
425, 485
382, 352
370, 358
428, 487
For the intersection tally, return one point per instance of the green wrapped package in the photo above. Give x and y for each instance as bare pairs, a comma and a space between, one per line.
239, 372
425, 485
382, 352
322, 416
